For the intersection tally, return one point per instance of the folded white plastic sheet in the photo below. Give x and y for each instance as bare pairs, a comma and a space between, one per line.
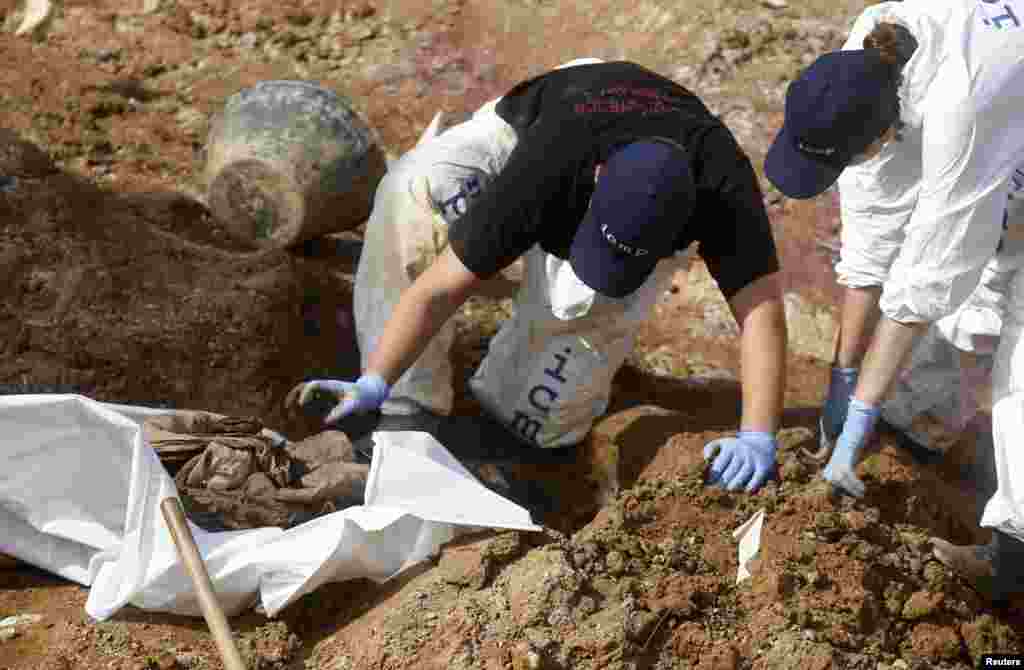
80, 491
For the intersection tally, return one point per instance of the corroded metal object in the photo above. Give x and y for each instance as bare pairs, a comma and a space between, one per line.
288, 161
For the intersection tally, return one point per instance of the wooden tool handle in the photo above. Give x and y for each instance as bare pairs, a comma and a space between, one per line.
212, 611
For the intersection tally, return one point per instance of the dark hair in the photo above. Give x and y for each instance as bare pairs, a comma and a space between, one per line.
895, 44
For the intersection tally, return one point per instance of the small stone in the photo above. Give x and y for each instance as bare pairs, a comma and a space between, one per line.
167, 661
775, 4
560, 616
504, 547
793, 469
807, 551
934, 642
934, 572
816, 579
720, 657
829, 526
895, 598
615, 562
791, 438
107, 55
586, 606
189, 660
639, 625
363, 10
538, 639
920, 605
854, 520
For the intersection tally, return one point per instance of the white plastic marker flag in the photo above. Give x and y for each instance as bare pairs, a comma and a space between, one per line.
36, 14
749, 535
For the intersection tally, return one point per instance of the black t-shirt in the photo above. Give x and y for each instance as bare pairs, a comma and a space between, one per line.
569, 120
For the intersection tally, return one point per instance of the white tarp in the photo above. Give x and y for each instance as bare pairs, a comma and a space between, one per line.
80, 491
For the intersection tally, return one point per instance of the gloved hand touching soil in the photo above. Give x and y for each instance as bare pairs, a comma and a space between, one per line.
364, 395
857, 431
747, 460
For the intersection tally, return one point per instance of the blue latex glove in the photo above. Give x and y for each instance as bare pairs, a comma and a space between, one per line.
840, 390
366, 394
858, 429
747, 459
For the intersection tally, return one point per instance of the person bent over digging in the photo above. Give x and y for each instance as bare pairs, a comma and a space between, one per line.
599, 176
920, 119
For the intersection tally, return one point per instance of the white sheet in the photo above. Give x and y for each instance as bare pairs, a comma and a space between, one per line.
80, 491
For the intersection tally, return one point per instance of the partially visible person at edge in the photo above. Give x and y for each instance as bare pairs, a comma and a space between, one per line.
934, 90
599, 176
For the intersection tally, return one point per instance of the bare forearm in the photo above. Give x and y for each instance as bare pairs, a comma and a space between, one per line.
859, 319
763, 361
416, 320
759, 312
422, 310
889, 349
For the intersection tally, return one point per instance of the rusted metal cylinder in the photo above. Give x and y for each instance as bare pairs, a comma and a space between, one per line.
288, 161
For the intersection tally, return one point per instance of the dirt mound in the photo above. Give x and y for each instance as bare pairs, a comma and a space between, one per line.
651, 583
141, 297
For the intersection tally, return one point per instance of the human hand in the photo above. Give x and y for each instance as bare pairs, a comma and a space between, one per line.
857, 430
841, 386
747, 459
366, 394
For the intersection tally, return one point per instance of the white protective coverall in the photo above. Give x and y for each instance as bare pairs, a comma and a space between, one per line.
936, 395
923, 218
547, 373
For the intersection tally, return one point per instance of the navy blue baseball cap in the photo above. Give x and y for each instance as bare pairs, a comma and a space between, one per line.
643, 198
840, 104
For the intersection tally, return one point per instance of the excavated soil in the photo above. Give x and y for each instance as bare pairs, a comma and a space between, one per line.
119, 284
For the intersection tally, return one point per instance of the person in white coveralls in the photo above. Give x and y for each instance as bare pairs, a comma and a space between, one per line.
600, 176
920, 118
